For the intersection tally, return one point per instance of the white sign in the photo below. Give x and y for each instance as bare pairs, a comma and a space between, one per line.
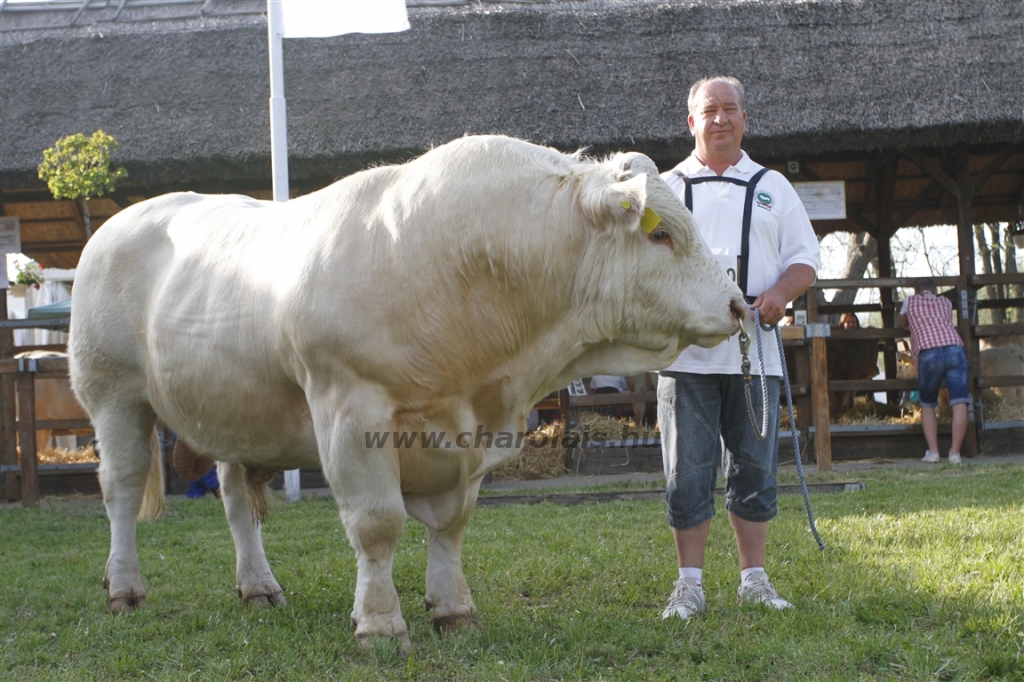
823, 200
10, 242
576, 388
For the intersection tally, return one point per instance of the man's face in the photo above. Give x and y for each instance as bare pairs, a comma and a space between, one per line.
718, 120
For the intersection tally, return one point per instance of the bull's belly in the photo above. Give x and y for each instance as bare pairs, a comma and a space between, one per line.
275, 432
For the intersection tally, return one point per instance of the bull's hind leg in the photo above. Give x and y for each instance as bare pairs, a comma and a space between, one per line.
366, 487
125, 430
256, 583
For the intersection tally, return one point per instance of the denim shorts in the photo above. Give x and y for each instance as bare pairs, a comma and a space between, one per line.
697, 413
934, 364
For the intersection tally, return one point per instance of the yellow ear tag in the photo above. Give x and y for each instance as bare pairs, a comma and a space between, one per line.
649, 220
626, 205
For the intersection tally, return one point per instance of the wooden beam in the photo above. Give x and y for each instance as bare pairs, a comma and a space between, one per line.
29, 248
27, 439
995, 164
937, 175
879, 282
819, 392
965, 245
1002, 278
8, 425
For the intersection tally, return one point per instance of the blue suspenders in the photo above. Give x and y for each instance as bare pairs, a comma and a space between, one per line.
748, 209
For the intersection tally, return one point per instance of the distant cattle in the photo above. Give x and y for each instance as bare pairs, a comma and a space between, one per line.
441, 298
848, 360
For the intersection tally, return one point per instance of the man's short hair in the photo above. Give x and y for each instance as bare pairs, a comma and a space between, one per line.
691, 101
926, 284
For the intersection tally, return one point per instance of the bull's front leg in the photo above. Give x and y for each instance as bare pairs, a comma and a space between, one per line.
366, 486
256, 583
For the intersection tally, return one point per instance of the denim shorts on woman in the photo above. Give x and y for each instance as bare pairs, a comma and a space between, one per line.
697, 412
934, 364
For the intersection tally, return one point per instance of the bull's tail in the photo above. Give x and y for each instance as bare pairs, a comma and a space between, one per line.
153, 499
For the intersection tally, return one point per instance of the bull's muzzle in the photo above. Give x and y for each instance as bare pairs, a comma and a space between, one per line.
740, 312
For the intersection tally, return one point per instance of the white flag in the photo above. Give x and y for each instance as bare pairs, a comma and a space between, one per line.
325, 18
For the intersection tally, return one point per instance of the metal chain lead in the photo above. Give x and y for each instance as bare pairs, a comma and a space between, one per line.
745, 368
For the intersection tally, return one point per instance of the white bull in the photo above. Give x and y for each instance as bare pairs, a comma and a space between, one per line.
447, 295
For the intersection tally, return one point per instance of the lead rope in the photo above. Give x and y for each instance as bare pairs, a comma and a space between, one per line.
745, 366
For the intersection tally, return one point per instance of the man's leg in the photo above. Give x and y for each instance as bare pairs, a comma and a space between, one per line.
690, 544
751, 490
959, 427
930, 426
751, 539
688, 410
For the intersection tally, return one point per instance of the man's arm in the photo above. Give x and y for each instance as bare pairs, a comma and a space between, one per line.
794, 281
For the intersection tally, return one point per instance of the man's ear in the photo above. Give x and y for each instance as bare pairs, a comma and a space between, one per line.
616, 203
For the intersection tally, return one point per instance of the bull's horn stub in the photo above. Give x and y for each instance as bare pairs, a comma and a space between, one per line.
649, 220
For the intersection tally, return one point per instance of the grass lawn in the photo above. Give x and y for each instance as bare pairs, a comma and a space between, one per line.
923, 579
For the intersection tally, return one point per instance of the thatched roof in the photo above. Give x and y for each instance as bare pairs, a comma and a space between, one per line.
187, 97
890, 96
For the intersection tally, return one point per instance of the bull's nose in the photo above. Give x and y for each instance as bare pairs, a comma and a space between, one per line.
739, 310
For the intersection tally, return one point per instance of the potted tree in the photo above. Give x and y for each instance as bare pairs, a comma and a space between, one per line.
78, 168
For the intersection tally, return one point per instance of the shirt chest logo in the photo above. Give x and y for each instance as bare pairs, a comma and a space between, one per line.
765, 200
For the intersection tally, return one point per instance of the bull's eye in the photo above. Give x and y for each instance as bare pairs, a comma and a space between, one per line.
659, 235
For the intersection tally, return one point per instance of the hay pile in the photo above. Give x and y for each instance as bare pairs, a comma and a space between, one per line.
546, 450
867, 412
543, 456
84, 455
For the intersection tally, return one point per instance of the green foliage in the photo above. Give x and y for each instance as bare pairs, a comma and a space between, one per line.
79, 166
921, 580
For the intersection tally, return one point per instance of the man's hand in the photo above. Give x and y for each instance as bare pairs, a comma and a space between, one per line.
771, 305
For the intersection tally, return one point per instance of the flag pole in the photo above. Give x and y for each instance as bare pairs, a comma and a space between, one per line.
279, 155
278, 115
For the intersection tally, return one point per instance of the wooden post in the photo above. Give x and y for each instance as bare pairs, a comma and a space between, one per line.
27, 437
965, 242
885, 199
8, 425
819, 392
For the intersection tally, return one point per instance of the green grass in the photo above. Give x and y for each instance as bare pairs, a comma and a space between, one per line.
922, 580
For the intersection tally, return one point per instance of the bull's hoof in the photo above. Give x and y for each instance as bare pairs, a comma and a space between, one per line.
455, 622
366, 641
126, 603
263, 600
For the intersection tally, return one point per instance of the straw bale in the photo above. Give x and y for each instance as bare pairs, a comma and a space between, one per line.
61, 456
546, 450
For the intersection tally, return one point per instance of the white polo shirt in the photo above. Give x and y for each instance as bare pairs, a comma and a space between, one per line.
780, 236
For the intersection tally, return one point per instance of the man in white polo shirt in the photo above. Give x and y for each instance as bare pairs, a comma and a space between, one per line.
701, 400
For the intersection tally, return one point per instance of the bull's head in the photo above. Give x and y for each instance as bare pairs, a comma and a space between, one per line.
649, 279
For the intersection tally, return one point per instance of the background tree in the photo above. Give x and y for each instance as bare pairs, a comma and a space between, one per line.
78, 168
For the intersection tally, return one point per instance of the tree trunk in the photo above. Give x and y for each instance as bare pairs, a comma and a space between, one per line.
861, 249
986, 261
83, 204
998, 314
1016, 291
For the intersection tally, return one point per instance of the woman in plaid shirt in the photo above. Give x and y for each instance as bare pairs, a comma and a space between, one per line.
939, 354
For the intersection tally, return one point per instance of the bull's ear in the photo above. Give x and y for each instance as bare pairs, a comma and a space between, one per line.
617, 203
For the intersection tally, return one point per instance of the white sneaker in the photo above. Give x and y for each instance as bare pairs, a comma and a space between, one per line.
954, 458
687, 600
760, 591
930, 457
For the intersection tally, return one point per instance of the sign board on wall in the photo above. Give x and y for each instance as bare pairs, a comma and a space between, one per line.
823, 200
10, 242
